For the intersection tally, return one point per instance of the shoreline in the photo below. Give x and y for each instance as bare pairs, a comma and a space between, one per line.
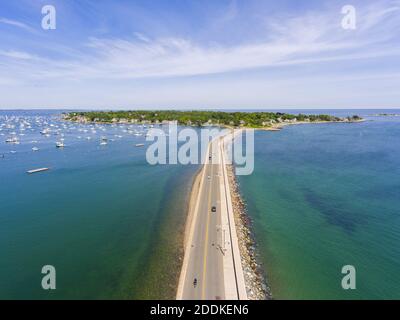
192, 204
255, 282
271, 127
280, 126
234, 283
254, 275
189, 226
190, 209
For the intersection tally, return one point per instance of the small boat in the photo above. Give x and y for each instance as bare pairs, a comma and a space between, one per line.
140, 145
13, 140
104, 141
60, 144
37, 170
35, 149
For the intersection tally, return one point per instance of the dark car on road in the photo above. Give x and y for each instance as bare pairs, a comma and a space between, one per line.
213, 209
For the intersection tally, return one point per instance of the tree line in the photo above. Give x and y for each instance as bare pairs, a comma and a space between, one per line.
199, 118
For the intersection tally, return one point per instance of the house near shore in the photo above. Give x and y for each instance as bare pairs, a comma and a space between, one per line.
268, 123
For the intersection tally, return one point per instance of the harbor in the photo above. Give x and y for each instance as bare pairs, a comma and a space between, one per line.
94, 200
37, 132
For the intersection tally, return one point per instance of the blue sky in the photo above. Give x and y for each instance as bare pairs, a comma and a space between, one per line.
199, 54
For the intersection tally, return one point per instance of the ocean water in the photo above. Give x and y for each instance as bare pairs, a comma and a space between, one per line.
327, 195
322, 196
109, 223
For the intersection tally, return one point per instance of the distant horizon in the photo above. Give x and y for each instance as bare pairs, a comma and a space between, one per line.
194, 109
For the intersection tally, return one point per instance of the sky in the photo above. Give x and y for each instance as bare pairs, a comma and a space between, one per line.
211, 54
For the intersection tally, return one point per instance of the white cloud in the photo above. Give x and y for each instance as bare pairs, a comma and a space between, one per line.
16, 54
16, 23
314, 37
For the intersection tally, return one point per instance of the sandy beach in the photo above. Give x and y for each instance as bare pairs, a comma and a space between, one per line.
192, 204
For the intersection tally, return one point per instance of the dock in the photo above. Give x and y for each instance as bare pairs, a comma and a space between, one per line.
37, 170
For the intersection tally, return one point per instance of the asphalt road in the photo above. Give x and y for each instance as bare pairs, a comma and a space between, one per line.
206, 251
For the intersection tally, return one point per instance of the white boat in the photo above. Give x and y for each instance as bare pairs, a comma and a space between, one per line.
104, 141
35, 149
140, 145
37, 170
13, 140
60, 144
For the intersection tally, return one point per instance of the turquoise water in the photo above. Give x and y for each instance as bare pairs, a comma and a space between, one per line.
108, 222
321, 196
325, 196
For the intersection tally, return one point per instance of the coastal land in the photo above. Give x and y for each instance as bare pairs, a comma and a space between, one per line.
256, 120
254, 275
212, 262
227, 235
220, 255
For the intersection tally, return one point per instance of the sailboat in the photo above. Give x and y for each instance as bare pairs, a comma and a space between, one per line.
60, 144
104, 141
13, 140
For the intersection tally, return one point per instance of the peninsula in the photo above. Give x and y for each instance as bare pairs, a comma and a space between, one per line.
219, 259
257, 120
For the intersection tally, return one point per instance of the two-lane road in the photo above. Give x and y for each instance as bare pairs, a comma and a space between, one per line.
208, 271
212, 265
205, 256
